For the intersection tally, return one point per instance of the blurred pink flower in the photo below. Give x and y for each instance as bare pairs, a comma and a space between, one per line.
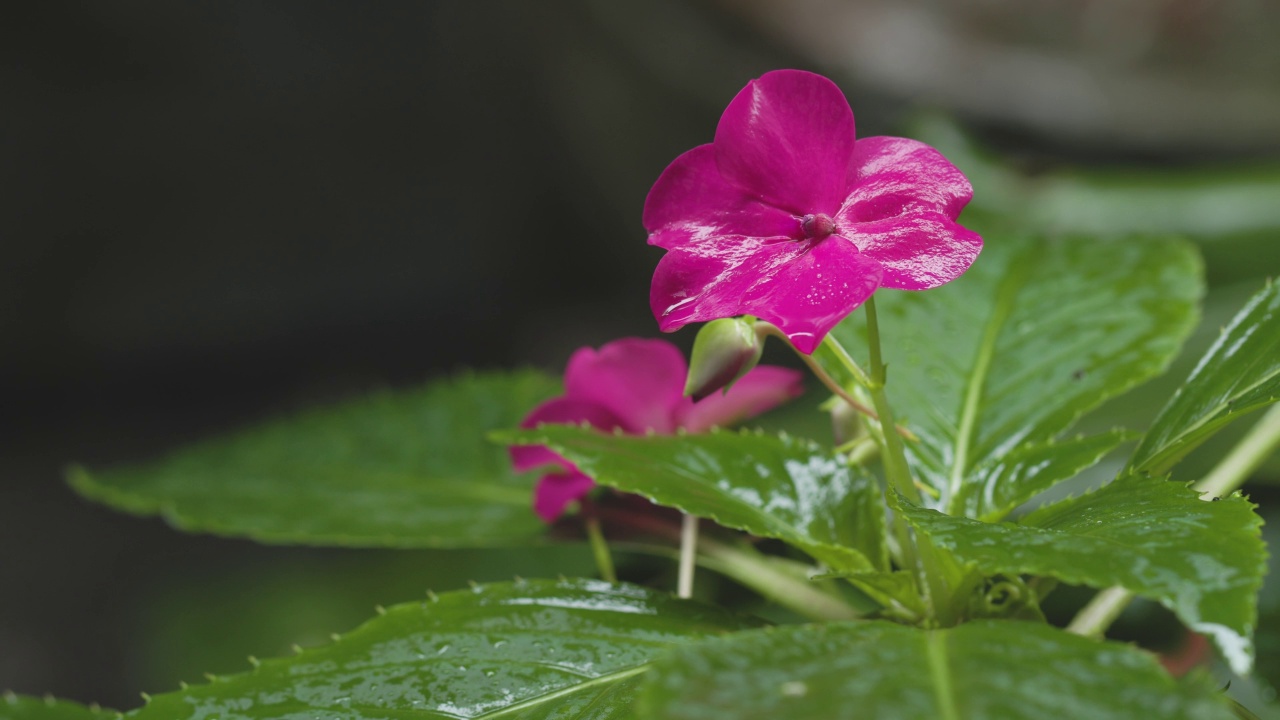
787, 218
637, 385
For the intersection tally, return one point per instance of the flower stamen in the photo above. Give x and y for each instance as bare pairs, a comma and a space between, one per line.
817, 226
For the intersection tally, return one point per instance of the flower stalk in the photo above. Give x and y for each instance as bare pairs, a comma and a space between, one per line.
688, 553
917, 551
600, 549
829, 382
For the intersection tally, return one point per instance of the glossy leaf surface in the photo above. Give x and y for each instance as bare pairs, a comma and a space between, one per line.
1239, 373
985, 670
21, 707
1202, 560
519, 651
404, 469
1018, 476
771, 486
1010, 355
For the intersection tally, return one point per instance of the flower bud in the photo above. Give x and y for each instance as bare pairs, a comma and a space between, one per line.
724, 351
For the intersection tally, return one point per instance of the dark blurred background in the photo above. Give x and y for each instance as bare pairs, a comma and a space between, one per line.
216, 212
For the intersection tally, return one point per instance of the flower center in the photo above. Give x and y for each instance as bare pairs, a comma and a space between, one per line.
817, 226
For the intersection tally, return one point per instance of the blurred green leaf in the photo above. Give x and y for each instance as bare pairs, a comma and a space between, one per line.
208, 618
21, 707
1240, 373
398, 469
1202, 560
771, 486
531, 649
1207, 202
996, 365
986, 670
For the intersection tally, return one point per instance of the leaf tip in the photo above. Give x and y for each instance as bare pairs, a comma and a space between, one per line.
296, 648
255, 662
379, 609
432, 596
146, 699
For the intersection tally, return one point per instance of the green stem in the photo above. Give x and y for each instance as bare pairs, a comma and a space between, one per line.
688, 553
1244, 458
895, 458
599, 548
829, 382
1228, 475
927, 562
752, 570
1094, 618
747, 566
849, 363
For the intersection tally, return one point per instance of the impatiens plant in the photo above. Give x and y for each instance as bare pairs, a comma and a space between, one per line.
912, 565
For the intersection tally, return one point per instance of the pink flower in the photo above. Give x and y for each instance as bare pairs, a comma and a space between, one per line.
637, 385
787, 218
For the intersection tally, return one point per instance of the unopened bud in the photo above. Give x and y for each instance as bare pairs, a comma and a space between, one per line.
723, 352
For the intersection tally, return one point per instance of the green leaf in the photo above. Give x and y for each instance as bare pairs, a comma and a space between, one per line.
1026, 471
776, 487
1240, 373
895, 591
1202, 560
398, 469
1035, 334
520, 651
997, 670
20, 707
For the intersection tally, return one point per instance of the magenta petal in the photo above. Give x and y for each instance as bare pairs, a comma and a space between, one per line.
639, 381
918, 252
555, 491
787, 137
691, 202
903, 200
559, 410
804, 288
890, 177
760, 390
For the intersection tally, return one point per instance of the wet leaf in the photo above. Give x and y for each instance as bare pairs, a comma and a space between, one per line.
1240, 373
985, 670
770, 486
520, 651
1202, 560
1004, 360
398, 469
